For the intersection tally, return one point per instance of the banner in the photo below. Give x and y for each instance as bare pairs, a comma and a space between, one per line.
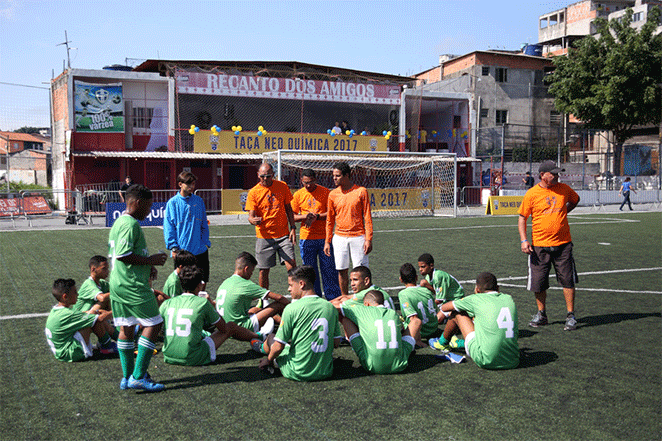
248, 142
31, 205
98, 108
503, 205
249, 86
234, 201
153, 219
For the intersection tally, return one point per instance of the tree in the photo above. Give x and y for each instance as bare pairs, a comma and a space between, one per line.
26, 129
613, 80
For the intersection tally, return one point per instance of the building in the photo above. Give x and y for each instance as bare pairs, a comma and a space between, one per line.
24, 158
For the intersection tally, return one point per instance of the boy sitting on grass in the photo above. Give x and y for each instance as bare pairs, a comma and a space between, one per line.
444, 286
375, 333
181, 258
417, 306
94, 292
68, 330
186, 316
488, 321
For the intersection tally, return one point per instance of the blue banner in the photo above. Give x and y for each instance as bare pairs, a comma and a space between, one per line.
153, 219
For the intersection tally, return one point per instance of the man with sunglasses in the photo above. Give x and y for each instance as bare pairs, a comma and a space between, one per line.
269, 209
185, 224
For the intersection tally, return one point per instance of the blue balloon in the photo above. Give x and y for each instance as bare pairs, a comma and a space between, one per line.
237, 132
351, 133
364, 133
259, 133
197, 129
333, 133
384, 133
329, 131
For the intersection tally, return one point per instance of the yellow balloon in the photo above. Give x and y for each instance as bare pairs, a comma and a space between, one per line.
387, 137
239, 128
347, 132
260, 129
234, 128
191, 131
389, 133
193, 126
264, 132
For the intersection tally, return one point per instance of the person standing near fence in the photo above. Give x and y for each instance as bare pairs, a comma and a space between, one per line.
548, 204
185, 225
625, 191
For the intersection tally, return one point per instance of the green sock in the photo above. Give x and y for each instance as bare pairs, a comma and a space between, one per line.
125, 349
116, 334
145, 351
442, 340
104, 340
460, 343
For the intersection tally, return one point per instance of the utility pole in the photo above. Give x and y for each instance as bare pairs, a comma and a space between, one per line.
66, 44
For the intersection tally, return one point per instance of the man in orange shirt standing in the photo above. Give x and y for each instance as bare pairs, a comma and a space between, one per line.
548, 204
309, 207
269, 209
349, 211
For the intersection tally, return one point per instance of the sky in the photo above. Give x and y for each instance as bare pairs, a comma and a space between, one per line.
398, 37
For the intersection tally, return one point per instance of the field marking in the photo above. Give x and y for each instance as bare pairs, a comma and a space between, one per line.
606, 220
462, 282
558, 288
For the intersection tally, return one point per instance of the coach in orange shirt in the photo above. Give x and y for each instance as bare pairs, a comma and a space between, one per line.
548, 204
268, 205
309, 206
349, 210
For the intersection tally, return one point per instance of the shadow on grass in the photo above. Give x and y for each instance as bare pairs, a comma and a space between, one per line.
240, 374
525, 333
608, 319
528, 358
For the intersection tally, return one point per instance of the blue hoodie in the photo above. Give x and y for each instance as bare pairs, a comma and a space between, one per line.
185, 224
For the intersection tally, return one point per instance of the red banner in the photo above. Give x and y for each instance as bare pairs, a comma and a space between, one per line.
27, 205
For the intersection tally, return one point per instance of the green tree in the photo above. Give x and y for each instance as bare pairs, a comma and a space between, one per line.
26, 129
613, 81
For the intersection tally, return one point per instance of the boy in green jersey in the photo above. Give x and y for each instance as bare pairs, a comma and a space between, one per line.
444, 286
236, 294
488, 321
94, 292
185, 318
376, 335
303, 346
172, 286
360, 281
132, 299
417, 306
68, 330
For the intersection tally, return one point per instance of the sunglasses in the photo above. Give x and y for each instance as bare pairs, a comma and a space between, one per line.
265, 176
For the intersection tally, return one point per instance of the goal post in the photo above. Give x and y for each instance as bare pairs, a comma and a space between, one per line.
400, 184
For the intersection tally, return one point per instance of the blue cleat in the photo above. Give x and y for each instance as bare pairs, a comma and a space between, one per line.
124, 383
144, 383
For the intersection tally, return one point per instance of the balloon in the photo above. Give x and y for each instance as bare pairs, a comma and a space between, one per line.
352, 131
264, 132
389, 133
193, 126
197, 129
191, 131
350, 134
260, 129
384, 132
239, 128
237, 132
234, 128
328, 131
259, 133
364, 133
333, 133
387, 137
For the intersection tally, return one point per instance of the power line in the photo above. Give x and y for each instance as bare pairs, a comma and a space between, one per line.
24, 85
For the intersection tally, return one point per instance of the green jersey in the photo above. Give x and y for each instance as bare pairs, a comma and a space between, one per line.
495, 324
309, 326
172, 286
88, 292
379, 345
129, 284
234, 298
357, 299
419, 301
446, 287
185, 317
61, 326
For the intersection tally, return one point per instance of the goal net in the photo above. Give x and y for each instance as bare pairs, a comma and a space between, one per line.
399, 184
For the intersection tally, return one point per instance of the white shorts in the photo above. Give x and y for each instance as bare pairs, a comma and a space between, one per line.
468, 340
87, 347
212, 348
255, 322
344, 247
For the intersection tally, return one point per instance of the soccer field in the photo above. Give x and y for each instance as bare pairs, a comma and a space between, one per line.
599, 382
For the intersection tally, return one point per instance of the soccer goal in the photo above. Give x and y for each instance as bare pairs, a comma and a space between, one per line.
400, 184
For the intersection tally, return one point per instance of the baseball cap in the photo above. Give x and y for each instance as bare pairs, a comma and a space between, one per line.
550, 166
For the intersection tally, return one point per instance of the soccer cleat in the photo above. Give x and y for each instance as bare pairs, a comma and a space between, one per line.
434, 344
570, 323
124, 384
257, 346
456, 343
109, 349
540, 319
144, 383
267, 328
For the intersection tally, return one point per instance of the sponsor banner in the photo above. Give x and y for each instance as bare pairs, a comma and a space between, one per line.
153, 219
99, 108
286, 88
386, 199
205, 141
503, 205
31, 205
234, 201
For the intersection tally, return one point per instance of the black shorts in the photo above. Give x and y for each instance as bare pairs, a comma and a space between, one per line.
540, 262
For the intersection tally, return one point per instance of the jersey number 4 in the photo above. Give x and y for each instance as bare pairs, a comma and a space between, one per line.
505, 321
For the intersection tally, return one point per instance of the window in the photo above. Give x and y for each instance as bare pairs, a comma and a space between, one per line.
501, 75
142, 117
501, 117
554, 118
637, 16
486, 71
33, 145
484, 113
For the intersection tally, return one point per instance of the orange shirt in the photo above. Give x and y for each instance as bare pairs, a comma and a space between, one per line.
549, 214
304, 202
350, 212
269, 203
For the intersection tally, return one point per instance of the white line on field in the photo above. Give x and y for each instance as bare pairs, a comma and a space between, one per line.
577, 288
